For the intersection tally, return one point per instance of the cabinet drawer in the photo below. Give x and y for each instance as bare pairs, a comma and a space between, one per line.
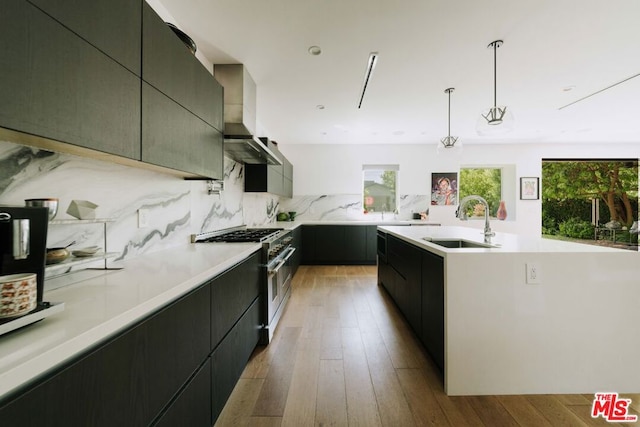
231, 294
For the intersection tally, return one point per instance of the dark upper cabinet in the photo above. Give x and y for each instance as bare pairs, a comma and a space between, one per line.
112, 26
56, 85
274, 179
173, 137
171, 68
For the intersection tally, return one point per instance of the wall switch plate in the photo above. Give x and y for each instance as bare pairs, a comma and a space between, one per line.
533, 273
143, 218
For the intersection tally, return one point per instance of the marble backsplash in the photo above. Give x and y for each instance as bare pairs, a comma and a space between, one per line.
176, 208
348, 207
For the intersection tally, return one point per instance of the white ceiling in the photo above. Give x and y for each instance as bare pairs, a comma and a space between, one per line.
426, 46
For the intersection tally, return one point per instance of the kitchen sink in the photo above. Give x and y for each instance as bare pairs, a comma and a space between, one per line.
458, 243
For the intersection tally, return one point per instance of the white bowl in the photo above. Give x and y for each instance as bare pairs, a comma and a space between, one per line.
18, 294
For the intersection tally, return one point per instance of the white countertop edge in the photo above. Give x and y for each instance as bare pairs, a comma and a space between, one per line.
57, 355
504, 242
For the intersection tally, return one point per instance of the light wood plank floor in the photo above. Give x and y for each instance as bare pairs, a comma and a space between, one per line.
344, 356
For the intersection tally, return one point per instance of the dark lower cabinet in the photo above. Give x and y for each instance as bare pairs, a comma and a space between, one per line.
56, 85
339, 244
165, 370
127, 380
404, 260
192, 406
296, 258
433, 306
231, 293
414, 278
231, 356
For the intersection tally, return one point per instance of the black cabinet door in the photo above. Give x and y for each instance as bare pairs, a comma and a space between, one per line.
308, 244
173, 137
192, 407
405, 258
112, 26
231, 356
330, 244
56, 85
231, 294
433, 306
296, 258
371, 253
170, 67
355, 244
126, 381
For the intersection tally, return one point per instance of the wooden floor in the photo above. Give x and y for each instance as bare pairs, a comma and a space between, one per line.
343, 355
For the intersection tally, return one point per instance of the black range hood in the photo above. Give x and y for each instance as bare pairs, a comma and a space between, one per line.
240, 144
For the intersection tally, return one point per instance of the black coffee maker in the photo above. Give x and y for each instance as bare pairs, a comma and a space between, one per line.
23, 242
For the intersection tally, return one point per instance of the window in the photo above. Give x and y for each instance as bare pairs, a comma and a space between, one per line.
379, 187
493, 183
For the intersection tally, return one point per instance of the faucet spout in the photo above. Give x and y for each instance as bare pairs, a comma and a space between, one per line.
461, 213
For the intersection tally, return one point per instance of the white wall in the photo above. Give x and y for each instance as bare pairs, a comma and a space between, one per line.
337, 169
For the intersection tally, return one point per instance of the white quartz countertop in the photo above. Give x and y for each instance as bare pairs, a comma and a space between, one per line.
290, 225
503, 242
108, 302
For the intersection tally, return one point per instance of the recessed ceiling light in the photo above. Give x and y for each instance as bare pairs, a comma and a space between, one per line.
320, 107
398, 132
314, 50
568, 88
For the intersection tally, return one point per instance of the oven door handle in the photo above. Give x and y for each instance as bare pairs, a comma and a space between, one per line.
285, 258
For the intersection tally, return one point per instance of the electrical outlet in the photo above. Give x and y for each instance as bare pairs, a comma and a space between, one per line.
143, 218
533, 273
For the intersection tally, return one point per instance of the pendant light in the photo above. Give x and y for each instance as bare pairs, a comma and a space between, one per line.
496, 119
448, 141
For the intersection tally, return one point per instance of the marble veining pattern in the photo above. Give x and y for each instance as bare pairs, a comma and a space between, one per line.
345, 207
176, 208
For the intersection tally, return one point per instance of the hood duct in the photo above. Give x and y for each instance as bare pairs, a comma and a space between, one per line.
240, 143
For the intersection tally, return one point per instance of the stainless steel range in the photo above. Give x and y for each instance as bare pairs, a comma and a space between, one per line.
276, 254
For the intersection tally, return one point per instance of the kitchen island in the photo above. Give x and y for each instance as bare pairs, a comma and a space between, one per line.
571, 332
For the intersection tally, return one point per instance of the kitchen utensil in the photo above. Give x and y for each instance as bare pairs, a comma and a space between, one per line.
57, 255
82, 209
18, 294
50, 203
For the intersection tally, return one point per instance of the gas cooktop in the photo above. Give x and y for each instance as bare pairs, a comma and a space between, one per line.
237, 235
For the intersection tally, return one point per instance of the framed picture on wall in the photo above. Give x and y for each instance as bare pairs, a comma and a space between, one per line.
529, 188
444, 188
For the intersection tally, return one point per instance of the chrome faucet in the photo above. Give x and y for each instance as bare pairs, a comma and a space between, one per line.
462, 214
382, 210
